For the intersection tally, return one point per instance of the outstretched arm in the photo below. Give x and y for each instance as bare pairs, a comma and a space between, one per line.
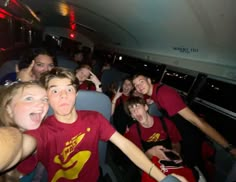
15, 146
138, 157
190, 116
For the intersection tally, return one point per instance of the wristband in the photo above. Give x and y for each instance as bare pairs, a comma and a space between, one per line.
229, 148
150, 170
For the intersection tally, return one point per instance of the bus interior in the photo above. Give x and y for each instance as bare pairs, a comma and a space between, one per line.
188, 45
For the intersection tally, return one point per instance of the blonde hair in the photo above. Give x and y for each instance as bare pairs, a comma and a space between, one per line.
7, 94
61, 73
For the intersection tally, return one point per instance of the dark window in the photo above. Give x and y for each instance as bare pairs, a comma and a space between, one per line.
133, 65
219, 93
19, 32
180, 81
5, 41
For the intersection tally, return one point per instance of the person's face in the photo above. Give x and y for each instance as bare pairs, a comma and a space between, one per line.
83, 74
137, 94
127, 87
42, 64
78, 57
29, 107
61, 95
142, 84
138, 112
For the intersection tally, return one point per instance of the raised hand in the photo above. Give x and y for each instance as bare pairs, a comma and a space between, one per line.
118, 94
25, 74
93, 78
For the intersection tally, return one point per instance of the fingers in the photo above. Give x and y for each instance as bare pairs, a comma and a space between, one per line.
17, 68
26, 73
91, 73
29, 69
118, 90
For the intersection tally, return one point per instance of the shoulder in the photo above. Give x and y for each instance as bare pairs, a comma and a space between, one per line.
165, 91
165, 88
90, 115
165, 119
133, 127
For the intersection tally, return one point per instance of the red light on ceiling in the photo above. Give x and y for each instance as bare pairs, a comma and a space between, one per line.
72, 35
4, 13
73, 26
2, 16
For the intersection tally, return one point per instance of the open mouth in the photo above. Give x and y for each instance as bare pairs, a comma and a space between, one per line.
36, 117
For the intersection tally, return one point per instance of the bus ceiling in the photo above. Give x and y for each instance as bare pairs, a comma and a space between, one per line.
193, 35
20, 11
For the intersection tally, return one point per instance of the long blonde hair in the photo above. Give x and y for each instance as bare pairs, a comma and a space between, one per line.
7, 93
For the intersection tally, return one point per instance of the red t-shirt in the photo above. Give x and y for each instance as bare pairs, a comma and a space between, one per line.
69, 152
168, 99
123, 98
87, 86
147, 134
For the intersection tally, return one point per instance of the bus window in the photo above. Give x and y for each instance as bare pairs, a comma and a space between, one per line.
180, 81
219, 93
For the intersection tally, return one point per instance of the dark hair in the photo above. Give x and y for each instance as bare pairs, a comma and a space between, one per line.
31, 54
83, 66
133, 100
137, 75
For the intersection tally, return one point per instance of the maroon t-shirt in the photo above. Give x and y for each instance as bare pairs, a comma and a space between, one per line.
154, 133
87, 86
123, 98
168, 99
69, 152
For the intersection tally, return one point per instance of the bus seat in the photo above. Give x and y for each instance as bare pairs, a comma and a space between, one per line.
96, 101
200, 174
224, 162
232, 174
66, 63
109, 77
153, 110
8, 67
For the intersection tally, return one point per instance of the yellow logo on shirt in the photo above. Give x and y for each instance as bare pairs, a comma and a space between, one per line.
71, 168
154, 138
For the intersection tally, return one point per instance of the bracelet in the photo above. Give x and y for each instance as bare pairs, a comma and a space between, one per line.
229, 148
150, 170
113, 103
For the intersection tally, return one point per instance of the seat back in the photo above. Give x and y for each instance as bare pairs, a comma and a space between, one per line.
95, 101
8, 67
153, 110
66, 63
